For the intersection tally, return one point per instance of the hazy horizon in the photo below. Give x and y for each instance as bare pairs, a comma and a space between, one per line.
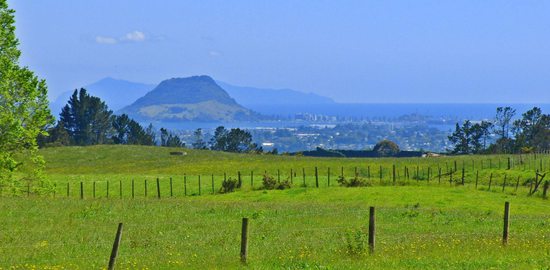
352, 51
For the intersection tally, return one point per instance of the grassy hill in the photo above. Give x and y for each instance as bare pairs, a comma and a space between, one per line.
421, 224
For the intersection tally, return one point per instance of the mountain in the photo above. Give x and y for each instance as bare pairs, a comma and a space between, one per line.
196, 98
252, 97
116, 93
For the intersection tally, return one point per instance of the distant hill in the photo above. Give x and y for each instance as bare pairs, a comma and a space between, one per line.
196, 98
252, 96
116, 93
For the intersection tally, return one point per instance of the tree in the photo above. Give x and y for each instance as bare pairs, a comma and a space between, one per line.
87, 119
532, 130
24, 112
128, 131
169, 139
219, 140
199, 142
503, 120
386, 148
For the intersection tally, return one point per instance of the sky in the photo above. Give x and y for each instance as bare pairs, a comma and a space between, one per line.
383, 51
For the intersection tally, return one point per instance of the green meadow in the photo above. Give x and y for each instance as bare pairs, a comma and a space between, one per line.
424, 219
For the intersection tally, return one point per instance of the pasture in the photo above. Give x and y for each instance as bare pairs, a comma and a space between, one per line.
424, 220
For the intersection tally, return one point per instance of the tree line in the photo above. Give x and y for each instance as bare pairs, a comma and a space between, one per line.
530, 132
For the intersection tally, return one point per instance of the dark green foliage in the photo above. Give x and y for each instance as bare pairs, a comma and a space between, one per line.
470, 138
128, 131
199, 142
87, 119
236, 140
269, 183
386, 148
229, 185
169, 139
352, 182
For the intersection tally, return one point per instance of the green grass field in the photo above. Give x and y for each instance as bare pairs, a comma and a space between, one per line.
422, 222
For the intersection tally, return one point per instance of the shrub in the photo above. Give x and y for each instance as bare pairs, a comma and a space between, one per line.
352, 182
229, 185
356, 242
268, 182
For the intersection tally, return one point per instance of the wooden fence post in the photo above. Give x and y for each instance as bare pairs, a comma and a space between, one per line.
292, 176
158, 188
185, 185
145, 188
171, 190
380, 174
545, 189
133, 188
81, 190
244, 240
114, 251
490, 181
213, 190
199, 184
517, 184
477, 177
393, 174
304, 175
239, 180
316, 178
67, 189
328, 177
120, 188
252, 179
107, 188
93, 191
463, 175
372, 229
504, 183
506, 223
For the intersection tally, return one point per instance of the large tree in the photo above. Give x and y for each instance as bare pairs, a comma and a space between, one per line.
24, 112
87, 119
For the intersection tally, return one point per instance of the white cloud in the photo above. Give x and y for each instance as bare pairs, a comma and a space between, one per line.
105, 40
135, 36
214, 53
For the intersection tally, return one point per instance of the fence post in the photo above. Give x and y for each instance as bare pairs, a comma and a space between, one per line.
93, 191
199, 184
506, 223
477, 177
120, 188
185, 185
132, 188
372, 229
145, 188
304, 176
517, 184
316, 178
244, 240
81, 190
463, 175
328, 177
239, 180
252, 179
158, 188
393, 171
171, 190
107, 188
67, 189
545, 189
116, 244
490, 181
291, 177
504, 183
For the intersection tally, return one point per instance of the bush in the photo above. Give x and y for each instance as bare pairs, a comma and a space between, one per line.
356, 242
352, 182
229, 185
268, 182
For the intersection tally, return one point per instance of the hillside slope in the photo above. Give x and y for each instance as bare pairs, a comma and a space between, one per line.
196, 98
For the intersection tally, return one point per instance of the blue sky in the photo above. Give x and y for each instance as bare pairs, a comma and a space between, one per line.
353, 51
